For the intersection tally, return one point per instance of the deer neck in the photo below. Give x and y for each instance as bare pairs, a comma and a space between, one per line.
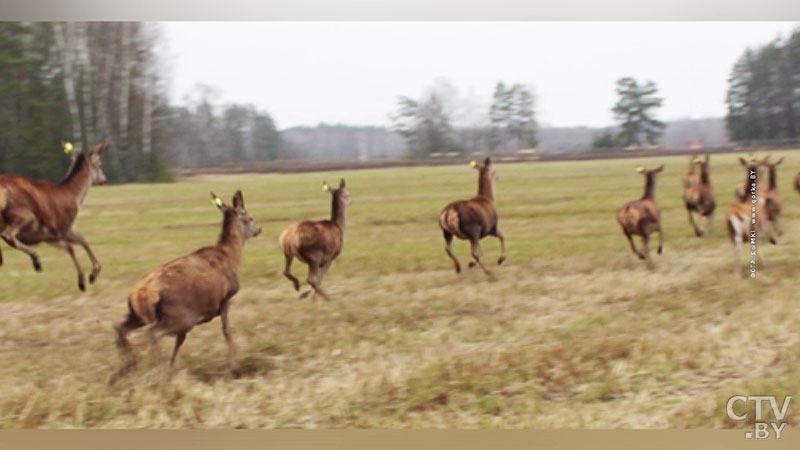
704, 176
338, 209
79, 179
650, 187
773, 177
485, 186
231, 239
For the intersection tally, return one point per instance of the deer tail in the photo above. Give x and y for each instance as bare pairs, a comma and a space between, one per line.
288, 240
144, 301
3, 198
449, 221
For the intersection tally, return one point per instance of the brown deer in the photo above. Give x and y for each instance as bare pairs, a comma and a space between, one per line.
692, 177
193, 289
797, 182
747, 216
474, 219
36, 211
316, 243
699, 198
772, 197
643, 217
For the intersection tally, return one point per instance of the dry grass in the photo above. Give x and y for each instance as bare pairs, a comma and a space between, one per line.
572, 332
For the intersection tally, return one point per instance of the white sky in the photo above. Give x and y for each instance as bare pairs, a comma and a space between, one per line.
304, 73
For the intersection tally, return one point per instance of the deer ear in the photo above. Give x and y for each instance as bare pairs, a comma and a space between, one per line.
660, 168
487, 161
779, 161
708, 157
217, 201
341, 184
742, 161
238, 200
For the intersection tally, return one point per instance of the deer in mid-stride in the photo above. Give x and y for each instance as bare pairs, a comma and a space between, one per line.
316, 243
474, 219
193, 289
699, 198
36, 211
747, 216
772, 197
643, 217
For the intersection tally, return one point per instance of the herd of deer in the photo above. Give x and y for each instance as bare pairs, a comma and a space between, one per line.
193, 289
755, 213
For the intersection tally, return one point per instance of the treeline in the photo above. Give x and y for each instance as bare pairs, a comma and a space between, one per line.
441, 123
88, 81
764, 92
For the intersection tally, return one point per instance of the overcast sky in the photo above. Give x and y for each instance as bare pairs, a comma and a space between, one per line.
304, 73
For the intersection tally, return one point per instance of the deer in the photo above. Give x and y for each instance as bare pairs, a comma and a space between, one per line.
316, 243
179, 294
797, 182
474, 219
746, 217
36, 211
772, 197
699, 198
642, 217
692, 177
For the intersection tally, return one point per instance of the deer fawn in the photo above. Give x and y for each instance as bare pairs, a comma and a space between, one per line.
316, 243
36, 211
699, 198
193, 289
772, 197
474, 219
746, 217
643, 217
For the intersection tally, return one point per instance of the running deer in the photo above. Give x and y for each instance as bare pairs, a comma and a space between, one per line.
316, 243
746, 217
193, 289
643, 217
474, 219
772, 197
699, 198
692, 177
36, 211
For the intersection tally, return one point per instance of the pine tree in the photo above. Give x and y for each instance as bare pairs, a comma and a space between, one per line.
425, 126
634, 112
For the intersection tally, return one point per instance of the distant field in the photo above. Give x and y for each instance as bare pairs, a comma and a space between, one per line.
572, 331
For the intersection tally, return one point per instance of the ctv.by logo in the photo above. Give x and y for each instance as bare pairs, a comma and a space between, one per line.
761, 429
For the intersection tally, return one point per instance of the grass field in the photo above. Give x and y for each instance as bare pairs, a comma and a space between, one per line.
572, 331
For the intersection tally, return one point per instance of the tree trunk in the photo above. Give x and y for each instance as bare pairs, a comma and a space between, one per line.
64, 40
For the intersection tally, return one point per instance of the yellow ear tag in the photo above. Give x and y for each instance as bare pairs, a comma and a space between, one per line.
217, 201
68, 147
696, 160
640, 169
473, 164
326, 188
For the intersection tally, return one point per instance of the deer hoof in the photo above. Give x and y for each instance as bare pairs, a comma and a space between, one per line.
500, 261
660, 250
37, 266
472, 264
305, 294
458, 268
93, 276
698, 233
642, 256
81, 285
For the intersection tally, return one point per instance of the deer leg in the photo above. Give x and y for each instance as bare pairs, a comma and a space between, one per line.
697, 231
776, 226
226, 331
502, 246
710, 223
287, 272
646, 246
81, 277
315, 280
76, 238
660, 239
123, 328
179, 338
10, 236
448, 240
633, 245
477, 252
